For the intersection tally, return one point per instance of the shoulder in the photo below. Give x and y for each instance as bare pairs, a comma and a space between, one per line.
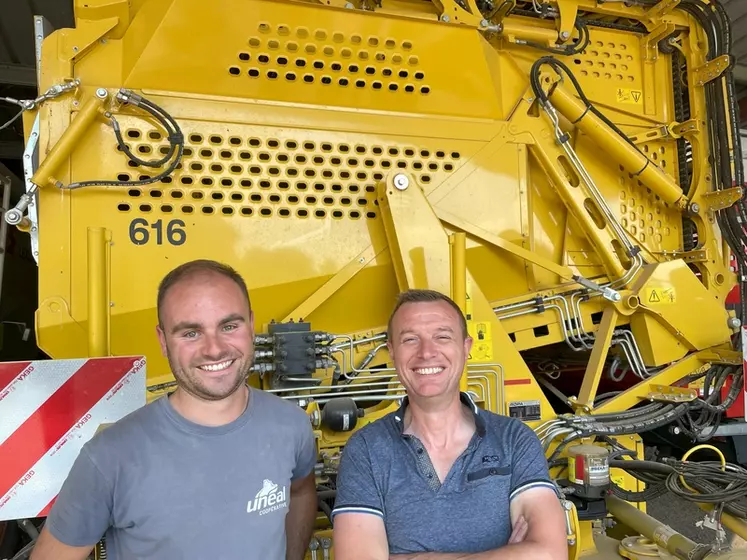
271, 407
375, 438
120, 436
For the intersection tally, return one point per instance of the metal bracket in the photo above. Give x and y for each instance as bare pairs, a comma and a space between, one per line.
687, 128
718, 200
711, 70
30, 163
663, 8
568, 13
452, 12
650, 42
667, 393
657, 133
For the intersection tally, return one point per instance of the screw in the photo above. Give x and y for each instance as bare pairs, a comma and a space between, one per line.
695, 208
445, 18
101, 93
564, 35
734, 323
401, 181
484, 23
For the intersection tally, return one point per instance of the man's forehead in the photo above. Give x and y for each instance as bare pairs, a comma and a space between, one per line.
436, 314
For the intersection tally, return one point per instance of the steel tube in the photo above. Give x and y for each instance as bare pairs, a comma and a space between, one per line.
458, 243
98, 304
608, 140
663, 535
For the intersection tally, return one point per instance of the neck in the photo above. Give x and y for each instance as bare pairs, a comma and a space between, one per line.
210, 413
439, 423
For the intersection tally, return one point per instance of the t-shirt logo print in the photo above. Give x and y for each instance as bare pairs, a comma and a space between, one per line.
269, 498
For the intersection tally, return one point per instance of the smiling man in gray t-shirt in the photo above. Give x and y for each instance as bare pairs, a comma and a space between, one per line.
215, 470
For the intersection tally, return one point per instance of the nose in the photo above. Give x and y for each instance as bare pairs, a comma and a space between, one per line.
426, 349
214, 348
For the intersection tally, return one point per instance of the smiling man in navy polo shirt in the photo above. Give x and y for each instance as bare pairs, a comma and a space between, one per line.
441, 479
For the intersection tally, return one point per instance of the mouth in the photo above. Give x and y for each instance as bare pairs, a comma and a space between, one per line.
217, 367
428, 370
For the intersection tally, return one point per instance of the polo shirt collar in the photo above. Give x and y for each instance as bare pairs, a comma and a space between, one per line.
465, 398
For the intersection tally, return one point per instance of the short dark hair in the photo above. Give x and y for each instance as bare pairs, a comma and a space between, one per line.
425, 296
193, 268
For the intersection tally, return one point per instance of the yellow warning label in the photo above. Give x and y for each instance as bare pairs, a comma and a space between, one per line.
468, 307
631, 96
482, 342
659, 296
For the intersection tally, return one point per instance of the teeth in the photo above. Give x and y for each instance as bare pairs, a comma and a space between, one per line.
428, 371
217, 367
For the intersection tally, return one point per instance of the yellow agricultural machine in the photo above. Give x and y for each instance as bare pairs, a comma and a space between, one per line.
568, 170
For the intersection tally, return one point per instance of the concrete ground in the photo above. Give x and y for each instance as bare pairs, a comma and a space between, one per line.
682, 516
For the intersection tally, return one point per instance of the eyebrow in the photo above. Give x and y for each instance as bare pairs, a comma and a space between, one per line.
410, 331
188, 325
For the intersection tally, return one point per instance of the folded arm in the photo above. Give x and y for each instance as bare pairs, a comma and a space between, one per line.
538, 533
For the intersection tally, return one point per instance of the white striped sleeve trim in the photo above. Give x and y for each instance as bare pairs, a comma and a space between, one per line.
357, 509
532, 484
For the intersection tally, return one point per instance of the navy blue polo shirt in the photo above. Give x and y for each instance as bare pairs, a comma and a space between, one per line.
388, 473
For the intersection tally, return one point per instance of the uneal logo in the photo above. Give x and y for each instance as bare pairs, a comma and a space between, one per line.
269, 498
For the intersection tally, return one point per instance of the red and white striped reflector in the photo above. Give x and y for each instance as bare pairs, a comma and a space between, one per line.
48, 410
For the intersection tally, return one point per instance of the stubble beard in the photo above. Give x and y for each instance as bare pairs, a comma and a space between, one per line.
192, 384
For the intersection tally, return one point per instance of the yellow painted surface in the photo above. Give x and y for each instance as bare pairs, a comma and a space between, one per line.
296, 119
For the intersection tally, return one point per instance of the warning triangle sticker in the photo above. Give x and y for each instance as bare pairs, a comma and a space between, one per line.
654, 297
636, 95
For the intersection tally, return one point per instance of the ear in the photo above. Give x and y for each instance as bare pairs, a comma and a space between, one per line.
161, 340
390, 348
468, 345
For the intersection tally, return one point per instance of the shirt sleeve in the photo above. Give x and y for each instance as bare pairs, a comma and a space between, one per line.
357, 491
529, 465
82, 511
305, 450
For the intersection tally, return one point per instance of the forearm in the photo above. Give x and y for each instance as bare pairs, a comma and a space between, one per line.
519, 551
299, 523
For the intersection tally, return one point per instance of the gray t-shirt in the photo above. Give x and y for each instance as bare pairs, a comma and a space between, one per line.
386, 472
159, 486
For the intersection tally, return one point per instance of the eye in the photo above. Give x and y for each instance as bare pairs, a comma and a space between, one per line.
229, 328
189, 334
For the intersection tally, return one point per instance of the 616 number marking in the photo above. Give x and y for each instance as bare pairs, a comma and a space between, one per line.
140, 234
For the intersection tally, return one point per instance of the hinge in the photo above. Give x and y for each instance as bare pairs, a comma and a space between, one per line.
711, 70
718, 200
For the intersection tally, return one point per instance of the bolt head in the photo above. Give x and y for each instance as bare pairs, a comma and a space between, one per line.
101, 93
564, 35
734, 322
695, 207
445, 18
401, 181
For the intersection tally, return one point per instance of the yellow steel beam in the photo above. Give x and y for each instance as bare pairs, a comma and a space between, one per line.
673, 373
331, 286
595, 367
492, 239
